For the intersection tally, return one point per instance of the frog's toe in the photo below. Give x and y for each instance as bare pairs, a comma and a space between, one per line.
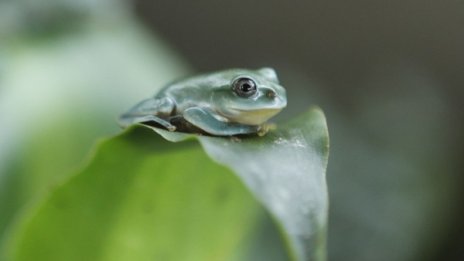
265, 128
262, 132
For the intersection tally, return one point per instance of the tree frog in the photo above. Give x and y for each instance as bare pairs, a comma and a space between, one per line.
224, 103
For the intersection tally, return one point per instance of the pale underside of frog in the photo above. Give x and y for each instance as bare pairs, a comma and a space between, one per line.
225, 103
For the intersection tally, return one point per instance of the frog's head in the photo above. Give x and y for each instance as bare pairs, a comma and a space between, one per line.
248, 96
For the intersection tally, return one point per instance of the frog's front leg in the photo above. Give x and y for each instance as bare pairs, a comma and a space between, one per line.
204, 119
149, 110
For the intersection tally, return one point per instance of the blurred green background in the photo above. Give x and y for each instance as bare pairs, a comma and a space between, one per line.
388, 74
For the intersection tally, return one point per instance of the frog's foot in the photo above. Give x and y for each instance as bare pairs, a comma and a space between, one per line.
235, 139
129, 119
263, 129
171, 128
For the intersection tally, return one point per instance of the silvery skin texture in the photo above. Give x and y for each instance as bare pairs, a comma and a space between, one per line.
219, 104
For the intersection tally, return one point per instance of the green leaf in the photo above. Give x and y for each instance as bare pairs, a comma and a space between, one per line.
285, 170
144, 198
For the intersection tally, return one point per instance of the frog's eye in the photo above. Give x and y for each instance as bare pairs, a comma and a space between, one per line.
244, 87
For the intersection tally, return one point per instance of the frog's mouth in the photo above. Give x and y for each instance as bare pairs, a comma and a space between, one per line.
253, 117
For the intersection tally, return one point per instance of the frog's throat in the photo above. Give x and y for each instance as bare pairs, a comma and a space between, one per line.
252, 117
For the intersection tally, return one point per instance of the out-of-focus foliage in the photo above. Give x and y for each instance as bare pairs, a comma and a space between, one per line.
62, 88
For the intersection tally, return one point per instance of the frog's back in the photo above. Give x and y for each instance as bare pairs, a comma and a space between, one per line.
199, 89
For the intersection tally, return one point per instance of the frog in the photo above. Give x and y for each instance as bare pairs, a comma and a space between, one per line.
223, 103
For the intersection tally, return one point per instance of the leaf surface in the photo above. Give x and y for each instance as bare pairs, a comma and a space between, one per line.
285, 170
145, 198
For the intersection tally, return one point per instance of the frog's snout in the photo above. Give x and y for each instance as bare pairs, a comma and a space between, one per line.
280, 102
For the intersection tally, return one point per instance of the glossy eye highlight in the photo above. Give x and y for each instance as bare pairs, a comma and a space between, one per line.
244, 87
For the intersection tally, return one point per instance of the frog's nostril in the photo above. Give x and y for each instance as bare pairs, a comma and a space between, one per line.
271, 94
